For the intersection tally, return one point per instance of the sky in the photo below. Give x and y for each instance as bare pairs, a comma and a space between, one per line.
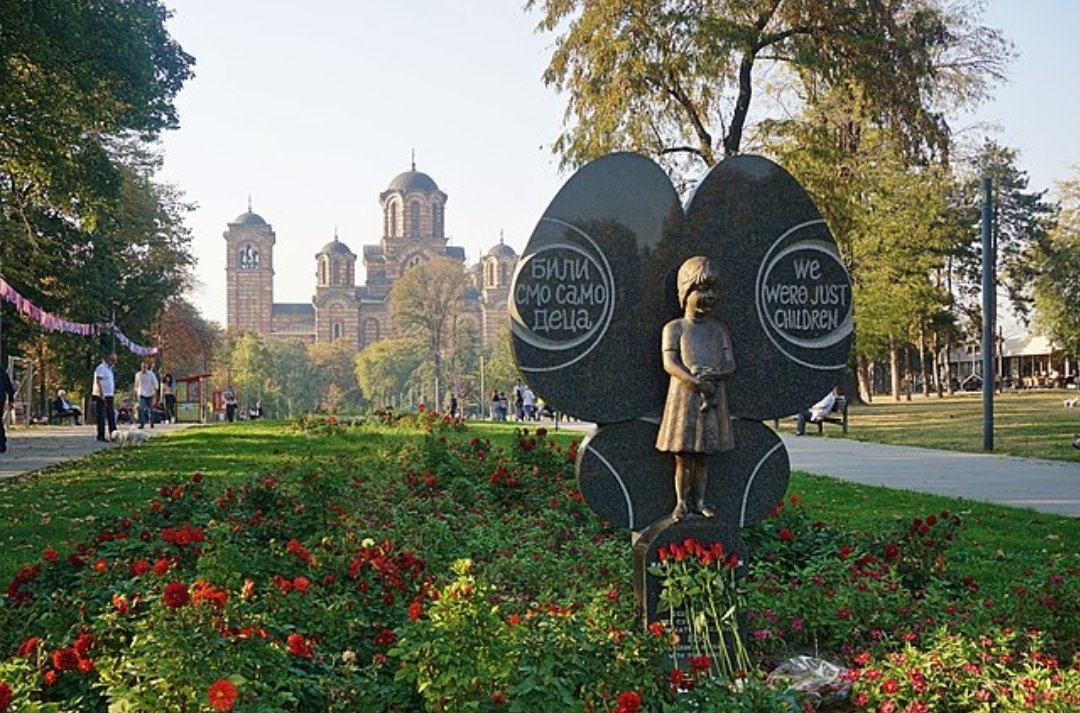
311, 108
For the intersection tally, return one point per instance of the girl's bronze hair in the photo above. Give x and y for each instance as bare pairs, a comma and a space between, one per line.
693, 273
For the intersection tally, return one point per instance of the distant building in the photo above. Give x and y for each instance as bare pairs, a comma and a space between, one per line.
412, 232
1023, 360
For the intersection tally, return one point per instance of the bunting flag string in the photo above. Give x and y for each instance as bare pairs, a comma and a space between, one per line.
52, 323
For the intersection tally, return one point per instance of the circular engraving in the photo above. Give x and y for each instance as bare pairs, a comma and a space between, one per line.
562, 298
806, 295
803, 295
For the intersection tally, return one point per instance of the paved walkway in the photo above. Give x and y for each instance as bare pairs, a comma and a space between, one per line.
33, 448
1044, 485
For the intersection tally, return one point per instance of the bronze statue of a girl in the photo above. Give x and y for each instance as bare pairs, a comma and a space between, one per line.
697, 354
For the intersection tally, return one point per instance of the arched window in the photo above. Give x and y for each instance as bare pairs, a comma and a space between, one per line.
436, 220
414, 219
322, 271
248, 257
413, 262
392, 210
335, 331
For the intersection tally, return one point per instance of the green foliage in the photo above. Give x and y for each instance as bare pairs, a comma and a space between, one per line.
667, 78
335, 364
385, 368
1057, 288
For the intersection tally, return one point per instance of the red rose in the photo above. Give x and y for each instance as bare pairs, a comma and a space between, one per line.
64, 659
385, 637
892, 551
629, 702
50, 555
222, 695
301, 584
29, 646
299, 646
786, 534
176, 595
161, 567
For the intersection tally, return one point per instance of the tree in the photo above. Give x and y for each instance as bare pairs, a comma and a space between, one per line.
243, 361
298, 386
335, 364
385, 368
427, 304
1057, 288
185, 339
666, 77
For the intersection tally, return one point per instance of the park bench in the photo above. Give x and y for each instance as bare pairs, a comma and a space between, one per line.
838, 416
57, 418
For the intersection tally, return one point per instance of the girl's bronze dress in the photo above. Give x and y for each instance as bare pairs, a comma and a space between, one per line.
691, 423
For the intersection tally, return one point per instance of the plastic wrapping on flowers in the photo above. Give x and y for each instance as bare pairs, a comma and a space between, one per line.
812, 677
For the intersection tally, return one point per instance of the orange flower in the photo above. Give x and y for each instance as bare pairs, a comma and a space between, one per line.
222, 695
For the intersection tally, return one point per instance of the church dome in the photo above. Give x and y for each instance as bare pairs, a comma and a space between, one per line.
502, 250
413, 181
249, 218
335, 247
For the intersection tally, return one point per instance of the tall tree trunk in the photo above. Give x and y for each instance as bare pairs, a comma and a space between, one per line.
909, 372
862, 373
922, 362
894, 369
948, 367
936, 355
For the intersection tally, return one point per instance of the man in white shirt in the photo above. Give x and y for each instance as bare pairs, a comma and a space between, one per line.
817, 412
146, 385
104, 396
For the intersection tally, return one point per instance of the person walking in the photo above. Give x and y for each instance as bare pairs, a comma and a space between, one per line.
7, 395
168, 397
104, 394
230, 403
146, 386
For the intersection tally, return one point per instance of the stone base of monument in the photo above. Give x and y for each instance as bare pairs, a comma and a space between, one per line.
648, 586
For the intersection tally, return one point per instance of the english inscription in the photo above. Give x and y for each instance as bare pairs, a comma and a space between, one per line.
805, 295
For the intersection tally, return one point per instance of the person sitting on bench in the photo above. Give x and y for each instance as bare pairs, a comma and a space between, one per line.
817, 412
63, 409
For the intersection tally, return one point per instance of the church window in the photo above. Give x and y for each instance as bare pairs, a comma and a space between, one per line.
413, 262
335, 331
437, 220
414, 219
322, 272
392, 210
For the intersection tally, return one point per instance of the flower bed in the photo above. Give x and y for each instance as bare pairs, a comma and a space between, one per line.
450, 572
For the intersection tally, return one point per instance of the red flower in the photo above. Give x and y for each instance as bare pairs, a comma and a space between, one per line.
176, 595
83, 643
50, 555
656, 628
29, 646
415, 609
222, 695
64, 659
5, 696
161, 567
700, 663
889, 685
48, 678
629, 702
845, 550
140, 567
101, 566
786, 534
301, 584
892, 551
299, 646
384, 637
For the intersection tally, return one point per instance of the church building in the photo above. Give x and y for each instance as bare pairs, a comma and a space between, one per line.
412, 232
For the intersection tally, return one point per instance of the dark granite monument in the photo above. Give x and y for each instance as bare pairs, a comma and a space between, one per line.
606, 269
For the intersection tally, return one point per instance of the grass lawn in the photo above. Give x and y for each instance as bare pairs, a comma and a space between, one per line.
1031, 424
